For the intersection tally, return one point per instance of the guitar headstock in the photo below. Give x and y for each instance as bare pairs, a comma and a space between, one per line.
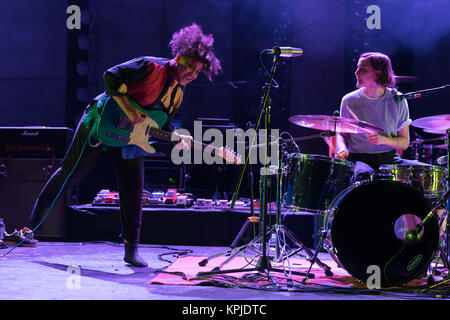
229, 155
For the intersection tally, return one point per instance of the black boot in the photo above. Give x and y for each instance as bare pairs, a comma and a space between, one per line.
132, 256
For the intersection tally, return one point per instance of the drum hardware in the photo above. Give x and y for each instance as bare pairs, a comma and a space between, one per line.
426, 150
444, 254
414, 235
437, 146
252, 218
415, 145
323, 233
263, 265
442, 160
440, 254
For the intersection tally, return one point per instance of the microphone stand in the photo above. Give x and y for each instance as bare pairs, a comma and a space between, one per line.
418, 94
263, 265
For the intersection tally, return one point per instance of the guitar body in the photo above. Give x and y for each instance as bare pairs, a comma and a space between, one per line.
115, 130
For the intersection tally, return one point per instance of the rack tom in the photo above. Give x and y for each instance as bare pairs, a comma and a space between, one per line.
314, 180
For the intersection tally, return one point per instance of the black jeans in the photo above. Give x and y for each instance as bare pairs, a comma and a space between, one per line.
79, 160
367, 164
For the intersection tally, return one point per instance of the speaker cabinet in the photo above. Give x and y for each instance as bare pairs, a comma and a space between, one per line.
21, 181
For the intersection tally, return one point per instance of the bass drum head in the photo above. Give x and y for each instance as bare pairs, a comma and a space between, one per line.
368, 228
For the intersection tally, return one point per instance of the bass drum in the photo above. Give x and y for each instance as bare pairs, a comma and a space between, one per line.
368, 224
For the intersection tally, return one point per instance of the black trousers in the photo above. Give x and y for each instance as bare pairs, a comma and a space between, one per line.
79, 160
367, 164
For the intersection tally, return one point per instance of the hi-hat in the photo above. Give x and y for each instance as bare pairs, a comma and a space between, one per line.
333, 123
434, 124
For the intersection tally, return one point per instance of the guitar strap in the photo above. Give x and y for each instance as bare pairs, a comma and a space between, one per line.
96, 113
161, 95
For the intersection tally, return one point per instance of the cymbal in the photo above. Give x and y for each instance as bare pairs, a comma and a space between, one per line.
332, 123
436, 130
405, 79
434, 124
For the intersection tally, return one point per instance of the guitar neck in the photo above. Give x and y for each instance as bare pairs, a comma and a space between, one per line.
167, 136
160, 134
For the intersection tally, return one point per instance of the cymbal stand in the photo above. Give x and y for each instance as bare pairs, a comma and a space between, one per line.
323, 231
444, 254
282, 234
440, 255
284, 242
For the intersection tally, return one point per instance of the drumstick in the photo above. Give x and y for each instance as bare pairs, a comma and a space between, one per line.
331, 145
351, 112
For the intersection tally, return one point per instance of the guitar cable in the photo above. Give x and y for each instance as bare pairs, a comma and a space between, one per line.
88, 139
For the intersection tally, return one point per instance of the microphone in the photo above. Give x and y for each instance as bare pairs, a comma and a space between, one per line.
399, 96
286, 52
442, 160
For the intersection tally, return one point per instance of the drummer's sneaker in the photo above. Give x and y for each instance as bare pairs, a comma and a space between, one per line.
25, 237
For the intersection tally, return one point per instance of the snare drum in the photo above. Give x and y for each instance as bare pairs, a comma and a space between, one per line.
367, 226
428, 179
314, 180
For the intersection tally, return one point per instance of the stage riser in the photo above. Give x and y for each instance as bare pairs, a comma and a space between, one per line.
199, 227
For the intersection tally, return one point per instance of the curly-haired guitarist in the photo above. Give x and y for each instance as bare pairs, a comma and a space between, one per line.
154, 84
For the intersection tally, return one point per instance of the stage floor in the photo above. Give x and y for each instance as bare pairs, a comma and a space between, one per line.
96, 271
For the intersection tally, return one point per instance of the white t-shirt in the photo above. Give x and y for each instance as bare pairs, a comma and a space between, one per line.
382, 112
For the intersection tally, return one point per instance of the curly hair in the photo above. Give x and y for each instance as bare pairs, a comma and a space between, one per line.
190, 41
381, 62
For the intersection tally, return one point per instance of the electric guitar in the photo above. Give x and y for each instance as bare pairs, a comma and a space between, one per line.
116, 130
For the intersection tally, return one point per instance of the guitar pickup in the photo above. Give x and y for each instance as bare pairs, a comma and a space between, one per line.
125, 124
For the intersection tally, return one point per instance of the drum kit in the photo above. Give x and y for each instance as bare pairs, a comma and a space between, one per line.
391, 224
395, 221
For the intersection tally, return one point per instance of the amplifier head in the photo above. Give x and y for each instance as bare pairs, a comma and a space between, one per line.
34, 142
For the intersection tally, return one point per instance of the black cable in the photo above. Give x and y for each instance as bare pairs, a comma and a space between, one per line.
267, 72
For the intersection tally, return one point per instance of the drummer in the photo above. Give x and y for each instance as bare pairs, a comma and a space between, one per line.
373, 102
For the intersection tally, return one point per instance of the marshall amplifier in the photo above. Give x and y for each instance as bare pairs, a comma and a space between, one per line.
28, 157
34, 142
